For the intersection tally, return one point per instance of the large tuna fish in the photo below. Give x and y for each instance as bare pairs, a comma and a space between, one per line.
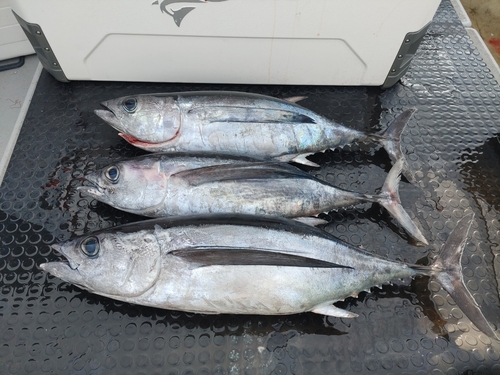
159, 185
237, 124
244, 265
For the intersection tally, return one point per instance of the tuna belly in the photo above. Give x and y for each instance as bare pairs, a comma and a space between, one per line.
271, 290
262, 290
259, 290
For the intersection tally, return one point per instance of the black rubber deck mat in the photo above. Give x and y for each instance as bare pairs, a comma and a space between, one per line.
452, 142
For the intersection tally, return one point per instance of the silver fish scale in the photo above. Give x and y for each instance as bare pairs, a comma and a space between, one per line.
415, 328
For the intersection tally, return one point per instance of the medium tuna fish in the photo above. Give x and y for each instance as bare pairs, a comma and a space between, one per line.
161, 185
244, 265
237, 124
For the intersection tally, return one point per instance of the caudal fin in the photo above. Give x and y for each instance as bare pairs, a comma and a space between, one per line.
447, 270
390, 139
389, 199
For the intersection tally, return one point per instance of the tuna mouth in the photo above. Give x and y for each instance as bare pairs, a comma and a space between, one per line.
67, 269
109, 116
93, 190
71, 263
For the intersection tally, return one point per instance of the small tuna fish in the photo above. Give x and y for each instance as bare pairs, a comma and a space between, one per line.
244, 265
237, 124
159, 185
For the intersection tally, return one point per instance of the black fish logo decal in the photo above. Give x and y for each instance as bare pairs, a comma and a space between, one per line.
176, 9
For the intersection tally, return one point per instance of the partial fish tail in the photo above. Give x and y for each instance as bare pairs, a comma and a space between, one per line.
389, 199
447, 270
390, 139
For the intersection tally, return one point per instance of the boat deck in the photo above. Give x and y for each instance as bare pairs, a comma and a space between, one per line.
411, 327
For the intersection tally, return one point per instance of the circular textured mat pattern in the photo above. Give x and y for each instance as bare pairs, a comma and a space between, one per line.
414, 327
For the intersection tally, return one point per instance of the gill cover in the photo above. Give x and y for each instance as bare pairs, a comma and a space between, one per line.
155, 118
129, 264
138, 265
132, 185
112, 263
147, 118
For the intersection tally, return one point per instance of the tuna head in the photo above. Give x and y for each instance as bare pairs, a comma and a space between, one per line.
110, 264
144, 118
131, 186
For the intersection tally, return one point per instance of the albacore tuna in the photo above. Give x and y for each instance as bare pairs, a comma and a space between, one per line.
158, 185
244, 265
238, 124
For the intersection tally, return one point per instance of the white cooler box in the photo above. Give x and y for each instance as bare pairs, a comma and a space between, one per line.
305, 42
13, 42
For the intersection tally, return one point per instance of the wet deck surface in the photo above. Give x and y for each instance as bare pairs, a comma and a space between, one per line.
452, 143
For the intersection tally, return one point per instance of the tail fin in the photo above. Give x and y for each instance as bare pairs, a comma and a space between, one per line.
390, 139
389, 199
447, 270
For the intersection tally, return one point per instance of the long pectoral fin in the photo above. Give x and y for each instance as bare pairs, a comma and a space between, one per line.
230, 256
328, 309
250, 171
250, 115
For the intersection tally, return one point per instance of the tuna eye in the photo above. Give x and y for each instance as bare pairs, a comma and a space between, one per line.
90, 247
130, 105
112, 174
